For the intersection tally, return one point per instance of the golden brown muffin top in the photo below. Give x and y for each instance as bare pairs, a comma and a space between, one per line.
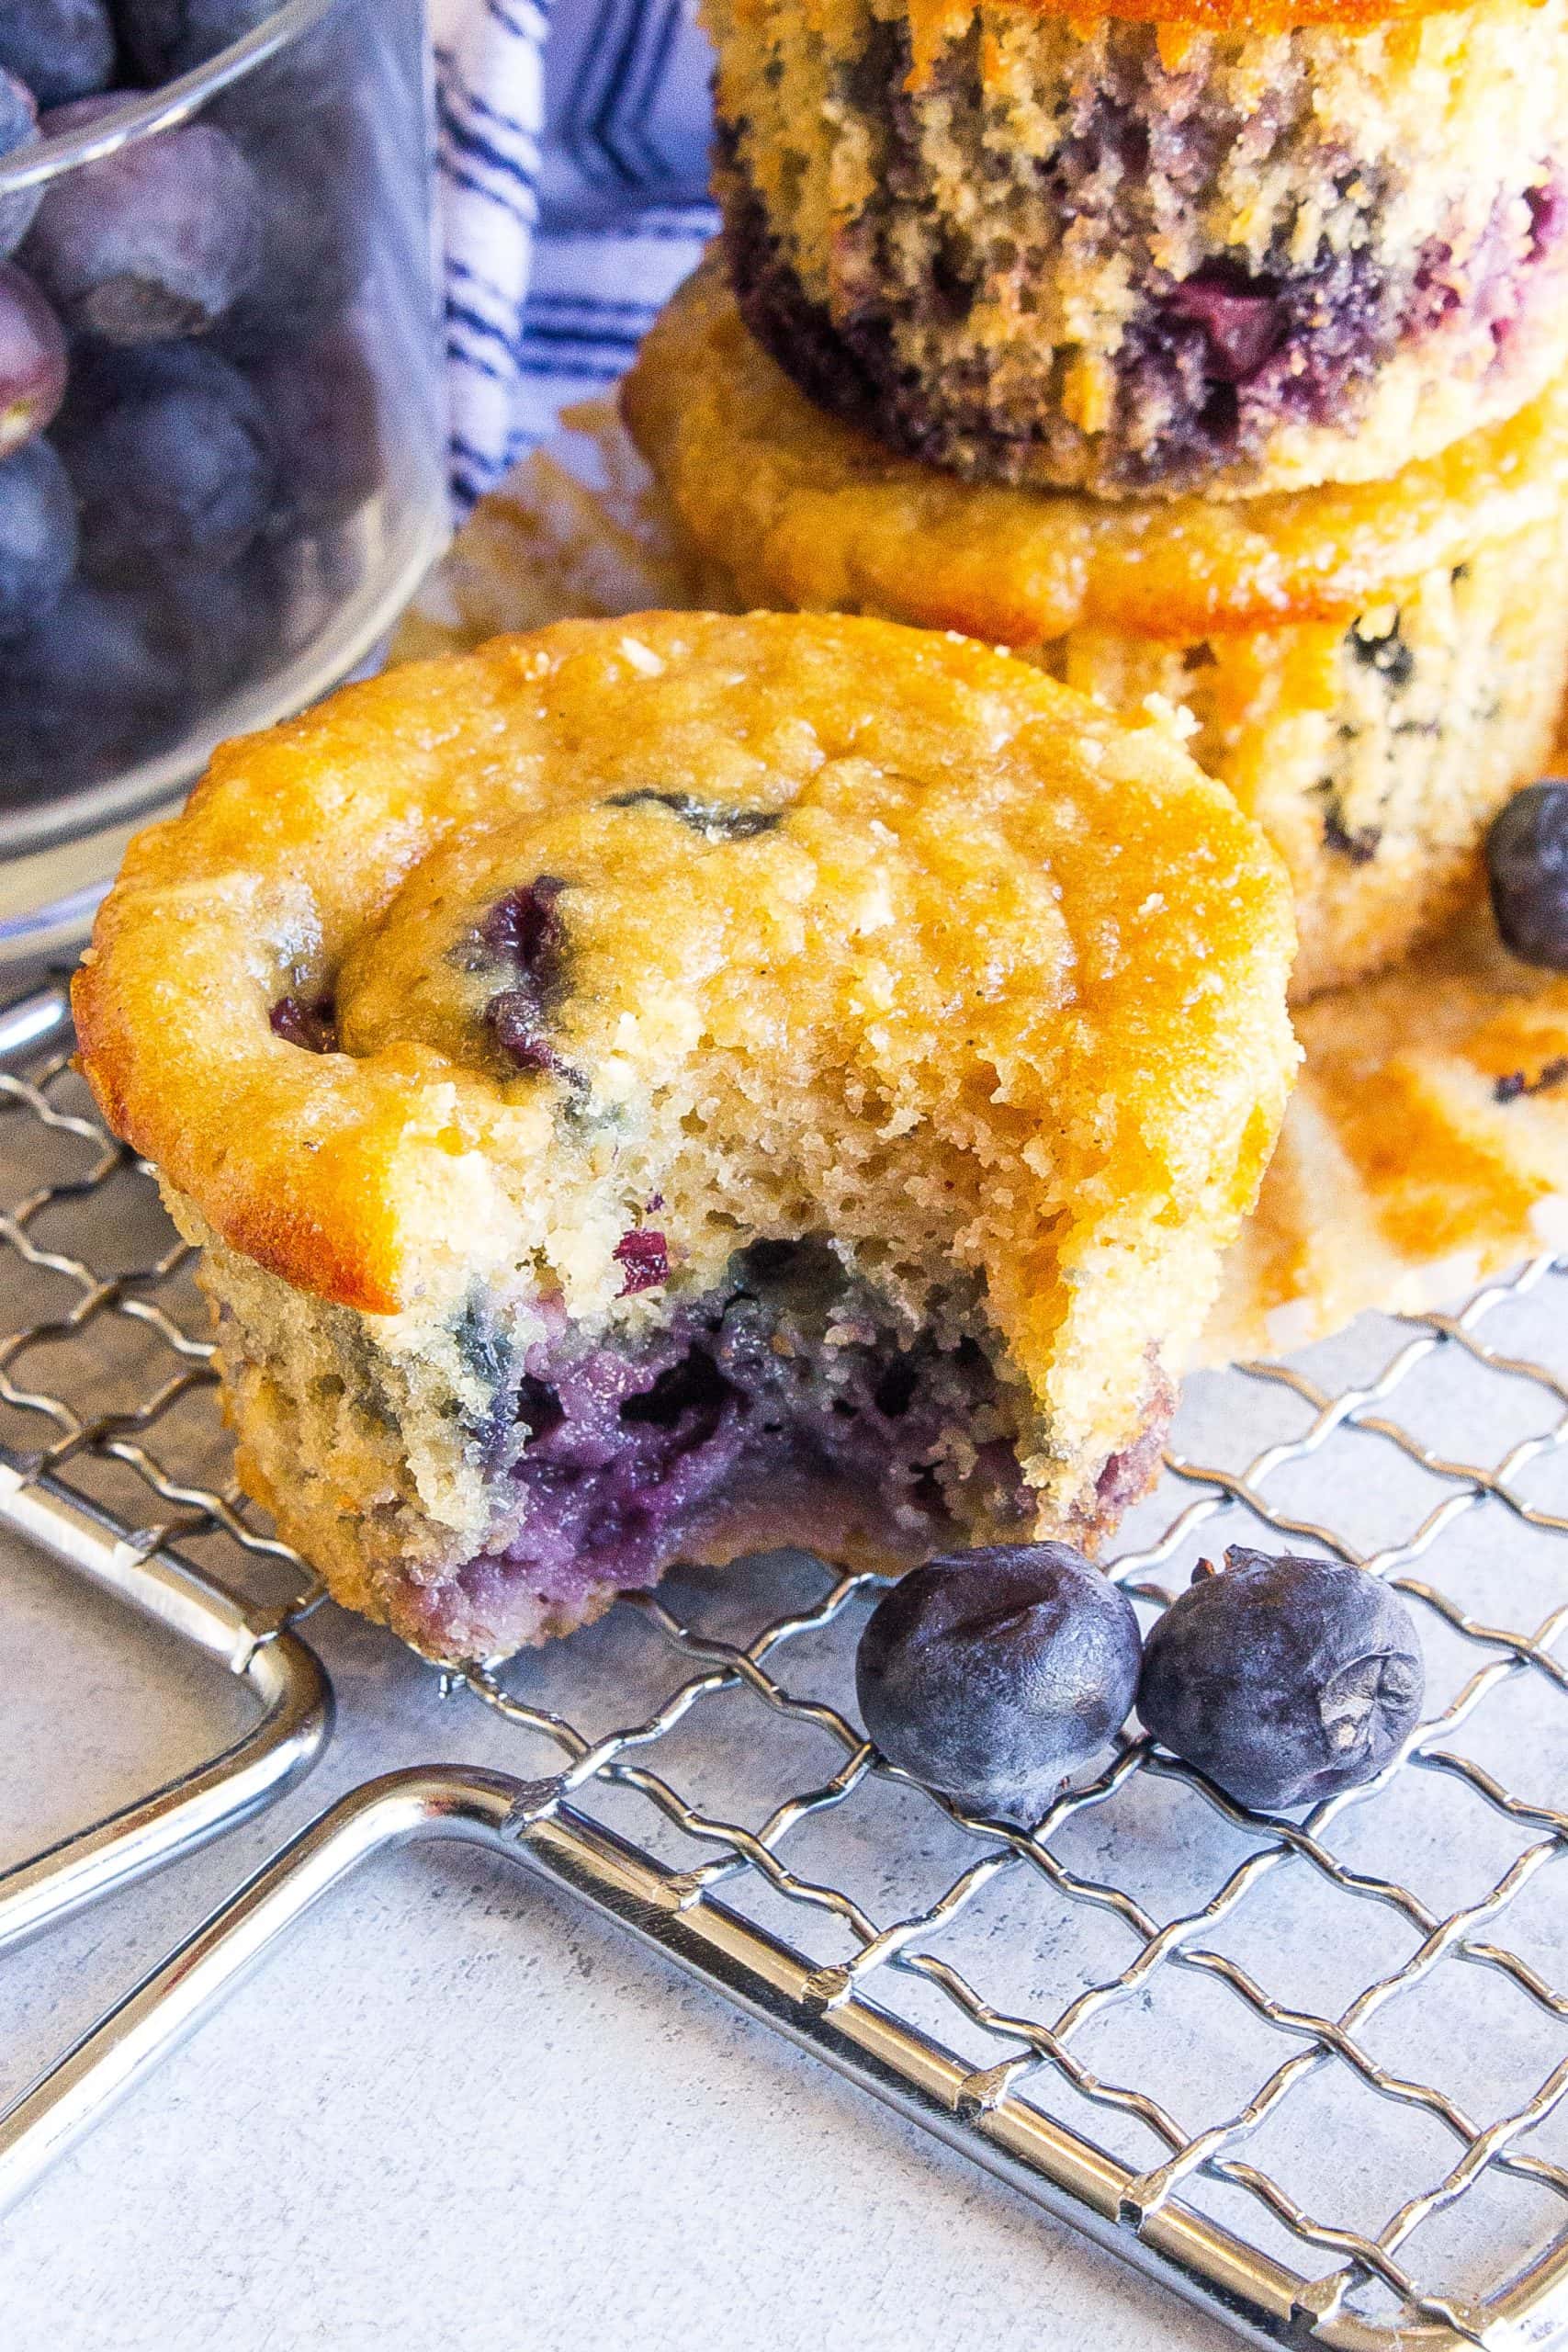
809, 511
936, 20
809, 918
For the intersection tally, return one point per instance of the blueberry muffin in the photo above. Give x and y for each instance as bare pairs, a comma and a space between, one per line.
1226, 248
1373, 668
654, 1089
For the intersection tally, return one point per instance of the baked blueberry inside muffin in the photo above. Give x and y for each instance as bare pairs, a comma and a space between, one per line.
1237, 248
655, 1089
1372, 666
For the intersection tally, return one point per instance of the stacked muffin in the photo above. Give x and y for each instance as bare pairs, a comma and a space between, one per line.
1220, 358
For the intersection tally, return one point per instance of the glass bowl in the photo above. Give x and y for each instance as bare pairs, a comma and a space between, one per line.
223, 468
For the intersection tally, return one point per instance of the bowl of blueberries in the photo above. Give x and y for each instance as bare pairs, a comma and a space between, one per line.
221, 438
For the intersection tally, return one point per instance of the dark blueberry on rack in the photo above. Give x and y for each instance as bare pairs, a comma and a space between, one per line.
306, 1023
992, 1675
19, 125
1526, 865
1284, 1680
172, 458
155, 240
61, 48
32, 360
38, 535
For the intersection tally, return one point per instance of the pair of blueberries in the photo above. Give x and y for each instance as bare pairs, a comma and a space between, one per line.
991, 1675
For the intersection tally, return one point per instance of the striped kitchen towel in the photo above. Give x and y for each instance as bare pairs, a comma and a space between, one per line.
572, 159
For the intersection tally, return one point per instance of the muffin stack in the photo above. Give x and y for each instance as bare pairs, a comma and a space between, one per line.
1220, 359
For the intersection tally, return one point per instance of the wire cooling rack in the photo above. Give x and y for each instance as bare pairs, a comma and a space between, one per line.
1313, 2074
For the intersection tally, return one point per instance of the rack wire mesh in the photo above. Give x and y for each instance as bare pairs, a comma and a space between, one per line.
1326, 2053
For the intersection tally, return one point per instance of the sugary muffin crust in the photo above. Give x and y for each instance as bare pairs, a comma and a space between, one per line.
1373, 668
653, 1087
1142, 257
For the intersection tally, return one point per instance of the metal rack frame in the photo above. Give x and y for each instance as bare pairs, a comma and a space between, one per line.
847, 2009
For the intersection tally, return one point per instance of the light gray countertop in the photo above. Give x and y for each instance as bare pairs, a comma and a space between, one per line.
453, 2111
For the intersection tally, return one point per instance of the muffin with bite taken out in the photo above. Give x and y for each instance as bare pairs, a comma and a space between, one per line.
651, 1090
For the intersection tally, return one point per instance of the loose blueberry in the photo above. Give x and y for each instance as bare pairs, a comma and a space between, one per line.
992, 1675
61, 48
167, 37
32, 360
1526, 865
38, 535
158, 238
1284, 1680
18, 129
171, 458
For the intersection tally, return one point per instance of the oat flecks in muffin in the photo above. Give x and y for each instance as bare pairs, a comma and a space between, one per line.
1373, 667
910, 1041
1032, 246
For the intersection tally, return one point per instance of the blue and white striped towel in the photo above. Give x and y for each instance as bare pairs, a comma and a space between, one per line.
572, 153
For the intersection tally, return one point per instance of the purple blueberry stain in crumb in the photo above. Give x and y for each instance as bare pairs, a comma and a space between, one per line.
1548, 206
525, 930
615, 1452
1220, 359
1382, 650
515, 1019
715, 819
525, 927
1495, 282
1239, 315
1360, 846
645, 1256
1514, 1084
309, 1024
